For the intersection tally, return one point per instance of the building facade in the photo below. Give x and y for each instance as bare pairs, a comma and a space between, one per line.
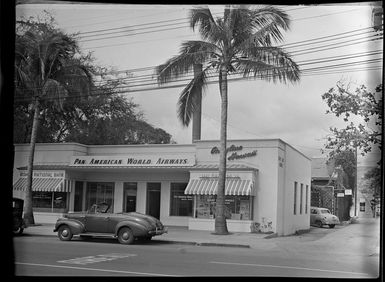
267, 182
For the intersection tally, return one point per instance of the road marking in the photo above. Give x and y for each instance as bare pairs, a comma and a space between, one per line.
289, 267
97, 258
95, 269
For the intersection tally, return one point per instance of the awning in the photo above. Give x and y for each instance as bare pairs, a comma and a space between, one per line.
44, 184
208, 186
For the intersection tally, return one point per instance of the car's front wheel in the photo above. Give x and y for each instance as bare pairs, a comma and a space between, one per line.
332, 225
318, 223
64, 233
125, 236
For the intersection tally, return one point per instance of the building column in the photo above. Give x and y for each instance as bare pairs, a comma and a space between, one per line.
118, 197
141, 197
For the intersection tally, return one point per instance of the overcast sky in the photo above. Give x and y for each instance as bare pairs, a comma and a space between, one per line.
257, 109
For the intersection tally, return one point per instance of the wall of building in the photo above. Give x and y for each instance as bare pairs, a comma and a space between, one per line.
297, 168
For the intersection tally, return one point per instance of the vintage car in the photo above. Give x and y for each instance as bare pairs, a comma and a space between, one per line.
98, 221
322, 216
17, 211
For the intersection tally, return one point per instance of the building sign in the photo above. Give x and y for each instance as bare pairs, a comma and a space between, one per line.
44, 174
235, 152
340, 194
160, 160
348, 191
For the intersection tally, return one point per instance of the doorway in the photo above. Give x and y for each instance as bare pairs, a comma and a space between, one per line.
153, 199
129, 203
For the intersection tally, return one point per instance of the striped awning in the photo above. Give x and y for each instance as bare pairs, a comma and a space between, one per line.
209, 186
44, 184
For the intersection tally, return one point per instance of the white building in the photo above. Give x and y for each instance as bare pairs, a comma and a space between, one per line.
267, 186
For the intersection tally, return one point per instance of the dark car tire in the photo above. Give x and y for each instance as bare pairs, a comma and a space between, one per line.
64, 233
332, 225
318, 223
18, 231
125, 236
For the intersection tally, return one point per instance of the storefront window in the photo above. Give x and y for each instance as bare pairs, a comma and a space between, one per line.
180, 204
100, 192
49, 201
237, 207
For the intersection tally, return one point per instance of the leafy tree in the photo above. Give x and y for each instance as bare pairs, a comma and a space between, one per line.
113, 120
344, 102
372, 179
45, 74
239, 42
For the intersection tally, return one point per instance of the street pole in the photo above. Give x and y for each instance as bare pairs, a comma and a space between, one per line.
356, 184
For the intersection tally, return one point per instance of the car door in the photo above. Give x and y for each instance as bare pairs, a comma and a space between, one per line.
98, 223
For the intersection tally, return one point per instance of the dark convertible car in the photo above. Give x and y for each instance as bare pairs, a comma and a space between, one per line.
98, 221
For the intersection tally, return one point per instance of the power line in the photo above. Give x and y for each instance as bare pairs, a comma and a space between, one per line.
127, 90
165, 29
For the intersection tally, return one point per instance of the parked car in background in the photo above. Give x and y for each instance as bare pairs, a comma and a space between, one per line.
17, 212
98, 221
322, 216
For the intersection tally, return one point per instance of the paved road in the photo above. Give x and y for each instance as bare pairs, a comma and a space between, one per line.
296, 256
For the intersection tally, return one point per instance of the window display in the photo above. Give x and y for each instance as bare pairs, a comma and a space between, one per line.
49, 201
98, 192
237, 207
180, 204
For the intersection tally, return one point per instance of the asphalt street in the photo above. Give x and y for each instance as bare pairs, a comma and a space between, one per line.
324, 253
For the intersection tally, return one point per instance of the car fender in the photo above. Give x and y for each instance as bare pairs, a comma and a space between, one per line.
76, 226
136, 228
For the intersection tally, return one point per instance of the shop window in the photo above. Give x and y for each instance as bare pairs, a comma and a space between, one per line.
100, 192
49, 201
180, 204
307, 198
300, 199
237, 207
78, 202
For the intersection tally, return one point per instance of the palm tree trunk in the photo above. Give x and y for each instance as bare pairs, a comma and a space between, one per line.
28, 212
220, 218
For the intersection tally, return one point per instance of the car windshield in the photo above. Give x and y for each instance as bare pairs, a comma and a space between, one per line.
325, 211
99, 208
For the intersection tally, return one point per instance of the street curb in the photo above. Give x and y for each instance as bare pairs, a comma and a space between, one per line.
191, 243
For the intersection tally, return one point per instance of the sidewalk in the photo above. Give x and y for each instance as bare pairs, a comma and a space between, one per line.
181, 235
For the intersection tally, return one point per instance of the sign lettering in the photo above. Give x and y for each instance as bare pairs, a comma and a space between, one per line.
235, 154
127, 161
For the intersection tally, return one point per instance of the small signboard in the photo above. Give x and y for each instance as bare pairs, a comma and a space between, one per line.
348, 191
340, 194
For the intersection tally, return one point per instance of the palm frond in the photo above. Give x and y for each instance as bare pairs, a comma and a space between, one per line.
208, 27
191, 52
189, 97
276, 67
56, 91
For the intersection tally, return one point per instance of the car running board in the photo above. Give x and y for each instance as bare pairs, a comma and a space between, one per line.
97, 235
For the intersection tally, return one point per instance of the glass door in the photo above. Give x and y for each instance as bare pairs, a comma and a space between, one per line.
129, 203
153, 199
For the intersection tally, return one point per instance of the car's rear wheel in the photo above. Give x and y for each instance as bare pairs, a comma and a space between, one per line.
125, 236
332, 225
64, 233
318, 223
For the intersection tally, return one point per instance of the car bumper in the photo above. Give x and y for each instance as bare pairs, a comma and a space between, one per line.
158, 231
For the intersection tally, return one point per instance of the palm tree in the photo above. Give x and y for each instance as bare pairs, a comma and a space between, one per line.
239, 42
46, 72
